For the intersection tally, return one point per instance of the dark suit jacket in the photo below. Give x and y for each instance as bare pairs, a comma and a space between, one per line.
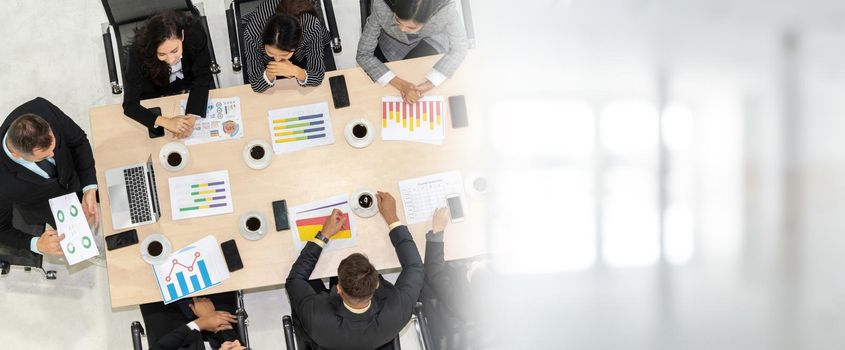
29, 191
330, 325
196, 64
181, 338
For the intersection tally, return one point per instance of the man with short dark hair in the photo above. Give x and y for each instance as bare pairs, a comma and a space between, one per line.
364, 311
45, 155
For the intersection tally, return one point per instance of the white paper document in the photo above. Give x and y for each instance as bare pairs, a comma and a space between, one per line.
222, 121
420, 122
296, 128
194, 268
422, 195
78, 244
198, 195
307, 220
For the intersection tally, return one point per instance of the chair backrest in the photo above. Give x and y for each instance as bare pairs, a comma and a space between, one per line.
245, 7
125, 16
127, 11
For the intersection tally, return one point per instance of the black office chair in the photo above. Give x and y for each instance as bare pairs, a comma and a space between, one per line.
466, 13
293, 341
236, 11
127, 15
10, 257
137, 330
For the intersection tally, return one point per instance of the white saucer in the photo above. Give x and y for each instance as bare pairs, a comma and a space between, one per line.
171, 147
166, 249
252, 235
262, 163
359, 142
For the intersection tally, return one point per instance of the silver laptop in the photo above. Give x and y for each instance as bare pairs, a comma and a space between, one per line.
132, 195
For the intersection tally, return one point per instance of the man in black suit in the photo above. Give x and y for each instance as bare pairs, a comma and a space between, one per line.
364, 311
45, 155
190, 324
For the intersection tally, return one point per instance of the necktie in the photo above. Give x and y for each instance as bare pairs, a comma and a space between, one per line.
48, 168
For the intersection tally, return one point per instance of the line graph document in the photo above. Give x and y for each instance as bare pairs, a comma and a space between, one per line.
194, 268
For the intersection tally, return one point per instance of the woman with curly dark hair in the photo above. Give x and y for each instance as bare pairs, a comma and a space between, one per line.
169, 56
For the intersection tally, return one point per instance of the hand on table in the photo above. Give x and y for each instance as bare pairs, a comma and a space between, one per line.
89, 208
387, 207
424, 87
333, 223
181, 126
440, 220
409, 92
48, 243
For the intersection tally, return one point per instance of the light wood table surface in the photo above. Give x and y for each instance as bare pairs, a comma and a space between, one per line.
300, 177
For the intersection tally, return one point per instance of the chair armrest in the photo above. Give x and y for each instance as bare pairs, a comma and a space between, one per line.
233, 39
137, 332
110, 63
215, 68
287, 326
332, 23
422, 323
365, 12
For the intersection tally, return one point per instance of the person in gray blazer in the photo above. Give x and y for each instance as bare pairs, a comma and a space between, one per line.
401, 29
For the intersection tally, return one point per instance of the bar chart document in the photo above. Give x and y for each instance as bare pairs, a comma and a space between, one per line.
422, 195
421, 122
78, 244
308, 219
222, 121
296, 128
198, 195
189, 270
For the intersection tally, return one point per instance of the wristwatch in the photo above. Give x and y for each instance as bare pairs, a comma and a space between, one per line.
321, 237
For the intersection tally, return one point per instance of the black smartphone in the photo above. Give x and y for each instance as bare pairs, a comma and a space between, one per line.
458, 111
159, 131
339, 94
280, 213
232, 256
120, 240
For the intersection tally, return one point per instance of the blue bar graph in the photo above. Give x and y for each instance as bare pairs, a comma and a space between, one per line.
195, 282
172, 289
199, 280
206, 279
182, 283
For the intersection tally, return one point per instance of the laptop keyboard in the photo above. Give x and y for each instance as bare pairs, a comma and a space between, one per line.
136, 191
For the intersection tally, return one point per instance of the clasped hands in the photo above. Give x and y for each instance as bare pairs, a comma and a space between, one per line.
411, 93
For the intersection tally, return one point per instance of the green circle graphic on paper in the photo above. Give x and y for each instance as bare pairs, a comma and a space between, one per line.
74, 211
71, 248
86, 242
61, 216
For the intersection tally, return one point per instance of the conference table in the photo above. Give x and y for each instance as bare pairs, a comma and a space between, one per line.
300, 177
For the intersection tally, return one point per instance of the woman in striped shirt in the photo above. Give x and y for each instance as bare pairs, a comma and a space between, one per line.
284, 39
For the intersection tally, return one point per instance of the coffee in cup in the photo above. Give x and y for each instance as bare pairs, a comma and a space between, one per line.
359, 130
174, 159
256, 152
155, 248
365, 200
253, 224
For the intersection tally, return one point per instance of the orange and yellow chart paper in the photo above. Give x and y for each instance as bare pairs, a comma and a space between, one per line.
308, 219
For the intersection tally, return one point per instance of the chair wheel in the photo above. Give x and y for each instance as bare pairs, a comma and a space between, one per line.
51, 275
